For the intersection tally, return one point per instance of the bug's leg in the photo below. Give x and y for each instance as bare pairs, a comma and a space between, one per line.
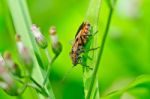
87, 67
89, 58
92, 49
80, 62
95, 32
86, 35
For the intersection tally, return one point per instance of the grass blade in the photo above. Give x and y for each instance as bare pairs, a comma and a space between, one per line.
92, 16
140, 80
95, 73
22, 22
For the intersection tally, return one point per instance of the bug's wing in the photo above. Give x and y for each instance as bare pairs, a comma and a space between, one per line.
81, 26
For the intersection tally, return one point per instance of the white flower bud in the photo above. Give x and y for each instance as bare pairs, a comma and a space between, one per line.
8, 59
1, 61
3, 71
12, 66
6, 81
53, 34
40, 39
24, 54
56, 45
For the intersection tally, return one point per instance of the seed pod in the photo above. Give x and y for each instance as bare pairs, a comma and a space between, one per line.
12, 66
24, 54
40, 39
56, 45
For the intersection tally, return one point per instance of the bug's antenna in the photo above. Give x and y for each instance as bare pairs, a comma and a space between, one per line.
68, 72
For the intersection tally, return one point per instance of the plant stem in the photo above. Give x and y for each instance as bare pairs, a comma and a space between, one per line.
48, 71
95, 73
43, 90
48, 55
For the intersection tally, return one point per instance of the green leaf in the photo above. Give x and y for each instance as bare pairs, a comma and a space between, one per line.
142, 81
22, 24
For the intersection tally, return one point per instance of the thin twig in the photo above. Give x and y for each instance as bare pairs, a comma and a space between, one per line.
40, 87
35, 82
49, 68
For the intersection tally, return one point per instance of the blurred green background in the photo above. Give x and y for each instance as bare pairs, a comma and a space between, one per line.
126, 54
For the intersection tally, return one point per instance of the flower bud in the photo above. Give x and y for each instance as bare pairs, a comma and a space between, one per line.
6, 81
12, 66
56, 45
24, 54
40, 39
1, 61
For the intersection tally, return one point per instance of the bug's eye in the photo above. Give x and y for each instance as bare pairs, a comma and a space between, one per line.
88, 24
76, 39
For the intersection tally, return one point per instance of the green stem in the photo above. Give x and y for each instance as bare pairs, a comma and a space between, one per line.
35, 86
43, 90
95, 73
48, 71
48, 55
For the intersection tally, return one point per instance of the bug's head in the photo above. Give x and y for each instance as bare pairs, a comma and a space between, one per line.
87, 27
88, 24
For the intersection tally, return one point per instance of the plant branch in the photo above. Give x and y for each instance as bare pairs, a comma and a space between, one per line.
49, 68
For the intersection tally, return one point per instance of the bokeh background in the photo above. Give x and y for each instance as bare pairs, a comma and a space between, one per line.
126, 54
